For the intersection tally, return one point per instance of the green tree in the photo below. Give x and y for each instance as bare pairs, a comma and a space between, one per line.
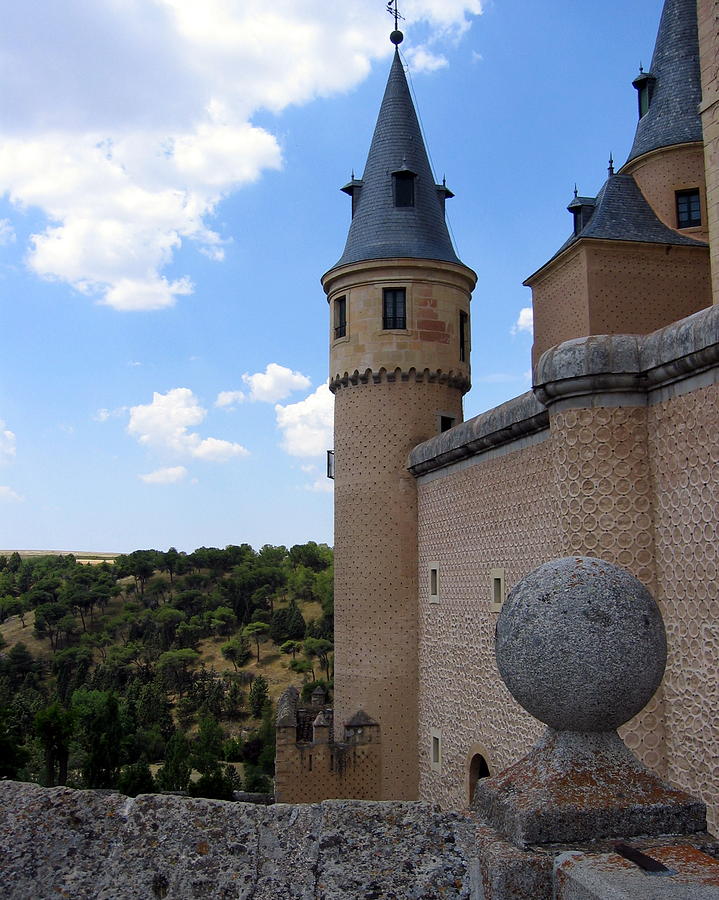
175, 665
100, 735
259, 695
236, 651
320, 649
256, 630
136, 779
13, 755
54, 726
296, 625
292, 647
175, 774
207, 749
218, 784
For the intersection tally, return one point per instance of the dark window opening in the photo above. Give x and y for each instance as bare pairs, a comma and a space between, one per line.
644, 84
478, 768
578, 221
643, 100
463, 335
330, 463
689, 209
394, 308
340, 317
446, 422
403, 183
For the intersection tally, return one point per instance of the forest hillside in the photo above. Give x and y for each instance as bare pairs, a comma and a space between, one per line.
158, 670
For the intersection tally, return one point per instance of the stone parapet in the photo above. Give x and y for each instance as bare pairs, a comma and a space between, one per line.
518, 418
622, 369
452, 378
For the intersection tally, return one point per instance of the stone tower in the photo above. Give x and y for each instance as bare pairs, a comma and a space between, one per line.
399, 366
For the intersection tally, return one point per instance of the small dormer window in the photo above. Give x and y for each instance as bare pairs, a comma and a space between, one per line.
644, 85
403, 187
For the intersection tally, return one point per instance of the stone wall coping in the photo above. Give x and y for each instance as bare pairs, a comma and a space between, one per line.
625, 363
619, 364
517, 418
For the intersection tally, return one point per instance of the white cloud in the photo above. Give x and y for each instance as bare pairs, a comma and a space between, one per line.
9, 495
7, 232
275, 383
169, 475
321, 486
164, 425
306, 427
126, 123
423, 60
230, 399
7, 443
525, 321
102, 415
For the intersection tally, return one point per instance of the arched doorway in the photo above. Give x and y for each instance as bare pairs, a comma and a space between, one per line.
478, 768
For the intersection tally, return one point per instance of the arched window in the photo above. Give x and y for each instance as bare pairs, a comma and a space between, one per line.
478, 768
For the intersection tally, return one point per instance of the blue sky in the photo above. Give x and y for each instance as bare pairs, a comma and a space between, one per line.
169, 198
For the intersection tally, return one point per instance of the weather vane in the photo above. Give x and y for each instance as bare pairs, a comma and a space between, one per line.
396, 37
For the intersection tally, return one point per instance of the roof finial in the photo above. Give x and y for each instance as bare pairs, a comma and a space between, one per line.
641, 68
444, 181
353, 174
576, 191
611, 164
396, 37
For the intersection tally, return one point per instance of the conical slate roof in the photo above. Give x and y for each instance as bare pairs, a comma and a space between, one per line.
673, 115
623, 214
379, 229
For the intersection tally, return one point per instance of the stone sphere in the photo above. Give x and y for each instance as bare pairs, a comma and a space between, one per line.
581, 644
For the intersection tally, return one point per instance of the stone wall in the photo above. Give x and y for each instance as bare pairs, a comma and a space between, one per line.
617, 287
627, 470
493, 515
319, 770
662, 172
684, 453
92, 845
709, 56
376, 425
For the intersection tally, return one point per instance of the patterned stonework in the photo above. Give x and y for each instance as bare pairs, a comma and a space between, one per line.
684, 446
376, 425
604, 505
637, 486
497, 514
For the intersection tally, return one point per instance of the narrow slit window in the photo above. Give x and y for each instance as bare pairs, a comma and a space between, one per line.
689, 209
340, 317
433, 582
394, 308
463, 335
435, 749
496, 577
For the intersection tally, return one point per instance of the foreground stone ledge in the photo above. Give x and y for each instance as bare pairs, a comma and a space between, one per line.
58, 842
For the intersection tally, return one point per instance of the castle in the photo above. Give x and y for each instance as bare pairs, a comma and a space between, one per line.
614, 453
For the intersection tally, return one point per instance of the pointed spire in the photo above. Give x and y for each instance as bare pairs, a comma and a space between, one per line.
610, 169
673, 113
381, 227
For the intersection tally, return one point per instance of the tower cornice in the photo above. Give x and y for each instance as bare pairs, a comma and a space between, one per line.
371, 270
